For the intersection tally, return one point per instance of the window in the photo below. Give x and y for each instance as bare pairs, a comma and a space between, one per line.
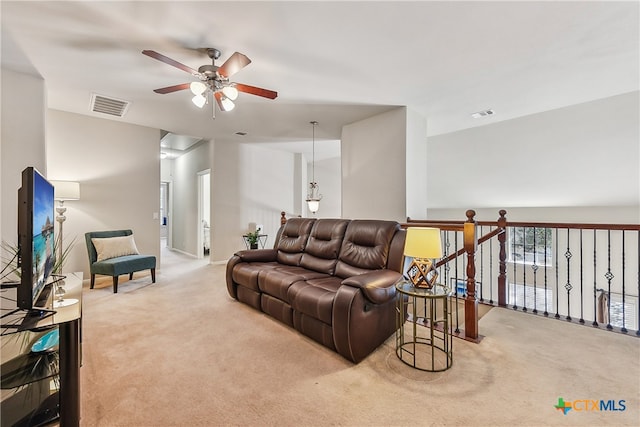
629, 314
530, 245
530, 297
459, 286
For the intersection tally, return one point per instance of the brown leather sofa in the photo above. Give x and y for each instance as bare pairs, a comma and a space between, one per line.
330, 279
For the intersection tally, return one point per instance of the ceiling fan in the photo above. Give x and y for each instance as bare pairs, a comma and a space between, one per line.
213, 80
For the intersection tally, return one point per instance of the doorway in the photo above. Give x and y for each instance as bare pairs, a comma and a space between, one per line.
204, 214
165, 223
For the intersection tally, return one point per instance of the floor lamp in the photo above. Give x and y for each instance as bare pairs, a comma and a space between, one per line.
63, 190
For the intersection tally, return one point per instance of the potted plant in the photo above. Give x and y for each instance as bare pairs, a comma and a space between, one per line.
252, 238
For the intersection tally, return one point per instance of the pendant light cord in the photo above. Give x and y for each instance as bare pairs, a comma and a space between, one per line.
313, 152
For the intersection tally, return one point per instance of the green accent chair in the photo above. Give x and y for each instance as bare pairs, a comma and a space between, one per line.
127, 264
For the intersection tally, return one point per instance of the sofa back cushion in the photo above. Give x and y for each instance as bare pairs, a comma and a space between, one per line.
365, 247
323, 247
293, 240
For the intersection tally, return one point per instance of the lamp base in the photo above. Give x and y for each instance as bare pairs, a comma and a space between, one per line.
422, 274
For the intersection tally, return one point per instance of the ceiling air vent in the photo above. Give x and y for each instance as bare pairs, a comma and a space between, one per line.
111, 106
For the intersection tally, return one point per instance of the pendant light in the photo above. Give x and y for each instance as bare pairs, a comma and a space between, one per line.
313, 196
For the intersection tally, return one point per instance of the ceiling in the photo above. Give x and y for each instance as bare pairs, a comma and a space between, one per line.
334, 62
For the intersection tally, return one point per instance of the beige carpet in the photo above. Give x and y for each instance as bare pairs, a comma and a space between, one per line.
181, 352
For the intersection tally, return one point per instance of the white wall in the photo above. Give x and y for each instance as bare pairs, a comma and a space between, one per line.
22, 141
384, 166
562, 165
185, 196
328, 177
118, 167
373, 167
416, 176
250, 184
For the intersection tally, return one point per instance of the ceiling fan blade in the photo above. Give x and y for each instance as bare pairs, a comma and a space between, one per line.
218, 96
160, 57
235, 63
256, 91
174, 88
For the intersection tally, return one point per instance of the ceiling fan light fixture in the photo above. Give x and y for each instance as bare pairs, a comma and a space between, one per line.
199, 100
227, 104
230, 92
197, 88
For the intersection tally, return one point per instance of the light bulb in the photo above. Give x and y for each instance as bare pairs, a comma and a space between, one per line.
199, 101
197, 88
227, 104
230, 92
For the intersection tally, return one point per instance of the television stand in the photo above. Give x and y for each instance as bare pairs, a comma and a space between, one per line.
45, 403
29, 320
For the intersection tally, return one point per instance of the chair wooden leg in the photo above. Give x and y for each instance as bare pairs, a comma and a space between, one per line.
153, 275
131, 276
93, 281
115, 284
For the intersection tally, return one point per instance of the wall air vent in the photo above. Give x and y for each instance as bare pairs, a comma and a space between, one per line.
106, 105
482, 113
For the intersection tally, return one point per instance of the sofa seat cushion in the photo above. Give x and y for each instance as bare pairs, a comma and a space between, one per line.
246, 273
314, 297
276, 281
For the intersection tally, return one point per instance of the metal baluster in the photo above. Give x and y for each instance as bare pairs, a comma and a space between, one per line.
457, 330
481, 268
524, 269
624, 308
534, 267
557, 316
581, 283
513, 252
546, 312
447, 244
568, 286
490, 271
595, 284
609, 276
638, 291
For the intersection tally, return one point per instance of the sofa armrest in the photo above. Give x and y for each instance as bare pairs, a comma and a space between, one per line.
257, 255
378, 286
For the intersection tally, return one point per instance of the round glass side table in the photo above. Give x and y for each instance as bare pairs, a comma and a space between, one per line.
423, 327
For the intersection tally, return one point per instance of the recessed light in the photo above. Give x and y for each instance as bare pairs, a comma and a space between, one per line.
482, 113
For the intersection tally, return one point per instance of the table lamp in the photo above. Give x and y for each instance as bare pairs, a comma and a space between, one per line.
422, 244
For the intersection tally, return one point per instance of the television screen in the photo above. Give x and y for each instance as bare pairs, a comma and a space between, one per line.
35, 235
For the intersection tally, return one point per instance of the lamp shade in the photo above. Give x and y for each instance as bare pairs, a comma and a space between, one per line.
230, 92
66, 190
423, 242
314, 205
197, 88
199, 101
227, 104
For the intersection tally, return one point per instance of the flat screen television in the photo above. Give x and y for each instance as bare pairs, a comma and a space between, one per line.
35, 236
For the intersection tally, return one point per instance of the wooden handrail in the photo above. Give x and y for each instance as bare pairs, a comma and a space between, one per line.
470, 244
586, 226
